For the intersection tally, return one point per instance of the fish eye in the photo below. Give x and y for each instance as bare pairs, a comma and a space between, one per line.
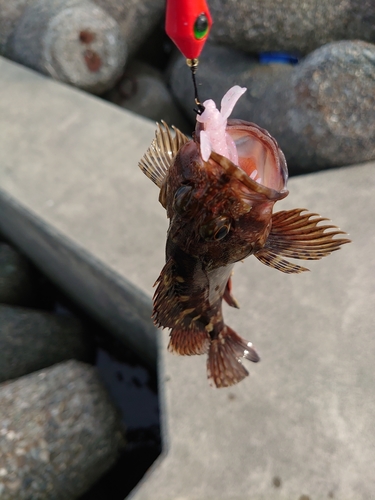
216, 229
222, 232
182, 199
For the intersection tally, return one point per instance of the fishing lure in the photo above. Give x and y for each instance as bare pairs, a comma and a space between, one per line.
219, 189
188, 24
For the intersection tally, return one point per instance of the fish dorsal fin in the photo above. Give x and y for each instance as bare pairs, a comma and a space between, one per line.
297, 235
159, 156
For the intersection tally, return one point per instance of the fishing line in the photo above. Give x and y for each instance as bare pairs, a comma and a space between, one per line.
193, 65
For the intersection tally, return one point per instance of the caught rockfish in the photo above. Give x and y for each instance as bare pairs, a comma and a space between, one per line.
219, 190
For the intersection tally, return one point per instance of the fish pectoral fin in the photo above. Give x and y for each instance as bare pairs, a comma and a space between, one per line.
228, 297
271, 259
224, 367
159, 156
299, 236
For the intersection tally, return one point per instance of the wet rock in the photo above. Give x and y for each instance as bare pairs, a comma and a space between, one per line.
214, 79
31, 340
323, 113
74, 41
136, 18
16, 283
291, 25
143, 91
59, 433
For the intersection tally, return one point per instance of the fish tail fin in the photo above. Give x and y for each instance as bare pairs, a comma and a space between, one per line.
224, 367
188, 341
298, 235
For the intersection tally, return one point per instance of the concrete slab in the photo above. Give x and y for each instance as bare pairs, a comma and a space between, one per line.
73, 198
302, 425
303, 422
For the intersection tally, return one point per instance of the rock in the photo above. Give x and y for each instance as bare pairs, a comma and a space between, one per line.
219, 69
59, 432
10, 13
73, 41
291, 25
323, 113
143, 91
16, 284
31, 340
157, 48
136, 18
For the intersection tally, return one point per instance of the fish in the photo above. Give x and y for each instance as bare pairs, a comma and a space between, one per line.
219, 188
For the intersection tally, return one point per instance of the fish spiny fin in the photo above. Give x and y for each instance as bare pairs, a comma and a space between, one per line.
224, 367
297, 235
172, 310
159, 156
166, 304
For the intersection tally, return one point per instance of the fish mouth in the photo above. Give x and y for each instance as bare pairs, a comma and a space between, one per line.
262, 168
261, 165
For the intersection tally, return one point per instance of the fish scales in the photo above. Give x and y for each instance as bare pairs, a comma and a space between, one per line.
219, 189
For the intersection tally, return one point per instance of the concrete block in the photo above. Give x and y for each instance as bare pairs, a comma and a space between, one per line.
73, 41
59, 432
301, 426
73, 197
136, 18
303, 422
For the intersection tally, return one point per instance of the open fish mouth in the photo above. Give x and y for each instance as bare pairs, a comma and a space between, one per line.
259, 155
264, 180
244, 144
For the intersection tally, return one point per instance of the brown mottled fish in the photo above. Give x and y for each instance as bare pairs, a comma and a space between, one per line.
219, 189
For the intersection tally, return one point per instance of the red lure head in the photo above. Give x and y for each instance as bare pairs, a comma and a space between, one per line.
188, 23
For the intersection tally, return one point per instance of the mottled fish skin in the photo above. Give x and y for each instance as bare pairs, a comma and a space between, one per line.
218, 216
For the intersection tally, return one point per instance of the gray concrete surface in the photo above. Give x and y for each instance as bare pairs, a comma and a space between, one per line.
72, 196
302, 425
305, 417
